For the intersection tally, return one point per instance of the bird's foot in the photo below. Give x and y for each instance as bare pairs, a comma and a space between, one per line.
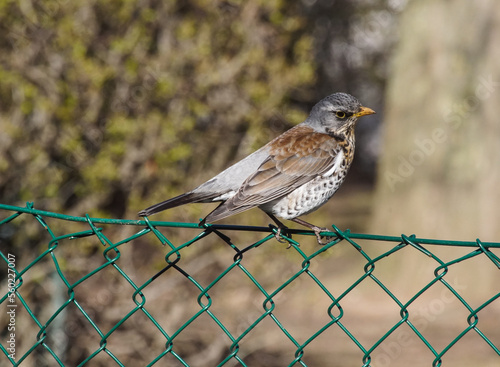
283, 231
319, 237
317, 231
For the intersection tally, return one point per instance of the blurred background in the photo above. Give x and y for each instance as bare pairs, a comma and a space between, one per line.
107, 107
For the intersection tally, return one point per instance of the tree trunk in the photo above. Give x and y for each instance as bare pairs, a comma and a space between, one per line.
439, 174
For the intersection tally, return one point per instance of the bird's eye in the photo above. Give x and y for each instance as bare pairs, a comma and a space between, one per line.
340, 114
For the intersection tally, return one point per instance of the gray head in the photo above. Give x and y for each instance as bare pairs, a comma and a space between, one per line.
336, 114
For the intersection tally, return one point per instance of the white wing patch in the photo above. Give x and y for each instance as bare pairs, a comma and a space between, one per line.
226, 196
336, 165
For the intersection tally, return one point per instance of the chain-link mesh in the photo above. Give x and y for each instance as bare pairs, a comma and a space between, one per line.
212, 300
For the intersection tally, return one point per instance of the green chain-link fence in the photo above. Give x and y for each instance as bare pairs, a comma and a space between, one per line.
233, 296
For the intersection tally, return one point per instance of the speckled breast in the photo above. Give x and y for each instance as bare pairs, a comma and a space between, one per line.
312, 194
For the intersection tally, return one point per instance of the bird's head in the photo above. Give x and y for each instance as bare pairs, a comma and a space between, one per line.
336, 114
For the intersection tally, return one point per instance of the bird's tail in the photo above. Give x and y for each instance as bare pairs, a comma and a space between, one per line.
189, 197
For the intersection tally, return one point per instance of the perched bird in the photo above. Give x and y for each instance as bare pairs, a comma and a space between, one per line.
292, 175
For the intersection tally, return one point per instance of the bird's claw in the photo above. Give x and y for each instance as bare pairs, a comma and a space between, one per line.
280, 239
319, 237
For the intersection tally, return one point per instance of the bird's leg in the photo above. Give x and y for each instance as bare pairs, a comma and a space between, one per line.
281, 227
317, 230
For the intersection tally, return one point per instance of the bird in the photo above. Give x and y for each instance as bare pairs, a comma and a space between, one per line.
292, 175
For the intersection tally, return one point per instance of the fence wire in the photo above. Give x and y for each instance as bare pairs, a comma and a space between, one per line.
45, 315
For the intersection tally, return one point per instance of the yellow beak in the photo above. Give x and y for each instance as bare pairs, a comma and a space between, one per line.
364, 111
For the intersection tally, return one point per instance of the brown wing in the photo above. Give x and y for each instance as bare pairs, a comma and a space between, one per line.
296, 158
